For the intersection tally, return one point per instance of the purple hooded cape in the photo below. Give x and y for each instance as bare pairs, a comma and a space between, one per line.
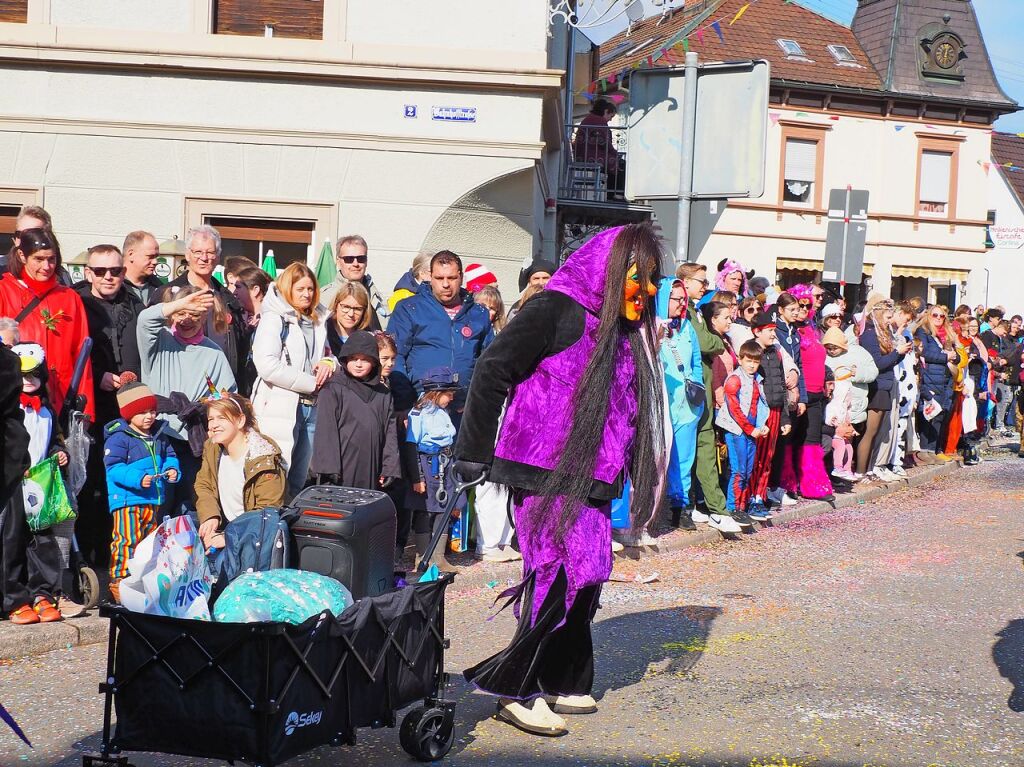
537, 423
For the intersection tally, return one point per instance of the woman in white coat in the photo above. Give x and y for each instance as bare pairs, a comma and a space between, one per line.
292, 362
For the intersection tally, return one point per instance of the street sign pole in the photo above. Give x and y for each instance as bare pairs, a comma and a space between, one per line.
846, 241
686, 158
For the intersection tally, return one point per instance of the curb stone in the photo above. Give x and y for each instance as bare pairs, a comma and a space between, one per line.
21, 641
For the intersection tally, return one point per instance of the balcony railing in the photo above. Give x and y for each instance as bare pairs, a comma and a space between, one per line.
593, 165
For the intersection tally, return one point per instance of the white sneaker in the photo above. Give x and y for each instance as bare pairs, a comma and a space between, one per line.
788, 500
724, 524
854, 476
885, 475
572, 704
535, 718
899, 471
699, 516
616, 546
840, 474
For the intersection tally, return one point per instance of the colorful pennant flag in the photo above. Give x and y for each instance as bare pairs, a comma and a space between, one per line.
739, 13
718, 30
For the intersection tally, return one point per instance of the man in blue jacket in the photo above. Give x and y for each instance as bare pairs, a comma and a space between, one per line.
440, 326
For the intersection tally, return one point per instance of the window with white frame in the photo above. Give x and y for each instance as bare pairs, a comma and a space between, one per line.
791, 48
800, 171
842, 55
933, 195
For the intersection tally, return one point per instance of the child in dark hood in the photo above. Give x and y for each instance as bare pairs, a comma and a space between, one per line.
356, 443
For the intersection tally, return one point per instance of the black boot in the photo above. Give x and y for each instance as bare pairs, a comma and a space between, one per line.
677, 512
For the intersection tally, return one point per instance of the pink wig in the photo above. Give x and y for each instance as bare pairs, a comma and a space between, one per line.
802, 292
728, 268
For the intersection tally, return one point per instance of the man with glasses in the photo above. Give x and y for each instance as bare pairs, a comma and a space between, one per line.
112, 312
351, 258
202, 254
140, 255
695, 278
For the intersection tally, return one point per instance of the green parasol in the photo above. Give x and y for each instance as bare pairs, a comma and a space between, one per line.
269, 264
326, 269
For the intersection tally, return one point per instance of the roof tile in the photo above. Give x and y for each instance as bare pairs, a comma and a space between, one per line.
753, 36
1009, 148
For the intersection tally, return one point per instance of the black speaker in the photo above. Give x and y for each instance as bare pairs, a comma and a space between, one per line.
347, 534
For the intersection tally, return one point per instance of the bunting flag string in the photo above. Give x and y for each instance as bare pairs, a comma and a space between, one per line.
680, 42
1003, 166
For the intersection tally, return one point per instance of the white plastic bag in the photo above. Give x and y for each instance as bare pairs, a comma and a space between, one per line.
932, 408
169, 574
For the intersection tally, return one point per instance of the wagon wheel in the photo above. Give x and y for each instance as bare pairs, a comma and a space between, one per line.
427, 733
89, 585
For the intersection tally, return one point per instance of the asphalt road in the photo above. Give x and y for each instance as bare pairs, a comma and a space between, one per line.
888, 634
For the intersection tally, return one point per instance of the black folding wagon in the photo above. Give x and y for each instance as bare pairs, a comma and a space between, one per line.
262, 693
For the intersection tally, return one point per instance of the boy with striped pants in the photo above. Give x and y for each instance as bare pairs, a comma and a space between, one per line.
139, 459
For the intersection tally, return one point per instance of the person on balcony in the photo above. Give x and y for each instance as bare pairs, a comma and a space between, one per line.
594, 142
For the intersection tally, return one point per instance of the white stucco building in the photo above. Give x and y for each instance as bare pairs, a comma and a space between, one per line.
418, 125
1004, 278
901, 104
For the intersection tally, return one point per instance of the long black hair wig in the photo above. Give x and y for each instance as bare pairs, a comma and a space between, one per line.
572, 478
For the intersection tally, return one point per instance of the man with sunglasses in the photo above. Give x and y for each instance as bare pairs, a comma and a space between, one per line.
112, 312
352, 257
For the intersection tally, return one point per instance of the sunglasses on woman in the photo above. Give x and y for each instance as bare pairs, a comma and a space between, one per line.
804, 304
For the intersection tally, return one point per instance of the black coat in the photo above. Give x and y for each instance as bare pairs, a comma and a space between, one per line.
356, 439
13, 437
115, 347
774, 387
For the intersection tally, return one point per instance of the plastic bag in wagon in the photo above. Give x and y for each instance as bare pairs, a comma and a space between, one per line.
169, 573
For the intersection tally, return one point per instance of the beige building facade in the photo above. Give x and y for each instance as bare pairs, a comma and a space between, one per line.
417, 125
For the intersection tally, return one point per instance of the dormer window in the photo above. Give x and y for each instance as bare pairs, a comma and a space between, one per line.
842, 56
791, 48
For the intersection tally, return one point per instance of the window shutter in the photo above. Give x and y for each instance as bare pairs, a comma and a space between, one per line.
15, 11
935, 170
801, 160
289, 18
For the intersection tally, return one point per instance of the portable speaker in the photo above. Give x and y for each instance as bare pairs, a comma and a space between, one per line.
347, 534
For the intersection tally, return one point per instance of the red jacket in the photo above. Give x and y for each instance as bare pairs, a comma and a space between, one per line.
61, 344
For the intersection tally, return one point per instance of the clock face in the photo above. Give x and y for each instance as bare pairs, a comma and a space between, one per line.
946, 55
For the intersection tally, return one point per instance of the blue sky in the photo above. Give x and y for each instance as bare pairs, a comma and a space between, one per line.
1002, 24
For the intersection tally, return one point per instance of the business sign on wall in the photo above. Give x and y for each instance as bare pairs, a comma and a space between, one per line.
1007, 237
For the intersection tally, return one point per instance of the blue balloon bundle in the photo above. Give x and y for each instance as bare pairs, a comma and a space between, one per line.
280, 596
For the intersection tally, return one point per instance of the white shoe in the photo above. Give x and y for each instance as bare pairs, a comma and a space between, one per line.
788, 500
536, 718
699, 516
854, 476
899, 471
885, 475
498, 554
572, 704
616, 546
724, 524
840, 474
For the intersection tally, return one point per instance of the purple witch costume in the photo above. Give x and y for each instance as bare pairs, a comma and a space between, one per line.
537, 362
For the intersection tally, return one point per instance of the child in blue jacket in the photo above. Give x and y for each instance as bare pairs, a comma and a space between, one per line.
139, 459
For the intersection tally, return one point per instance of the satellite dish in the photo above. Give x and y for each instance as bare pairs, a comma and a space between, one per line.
634, 10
